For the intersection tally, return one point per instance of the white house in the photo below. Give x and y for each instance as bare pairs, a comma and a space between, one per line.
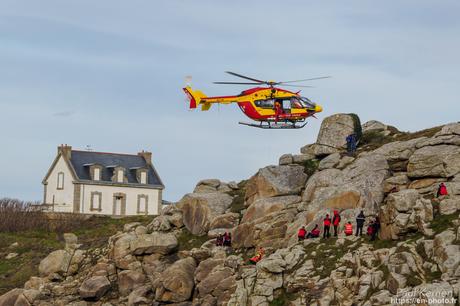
102, 183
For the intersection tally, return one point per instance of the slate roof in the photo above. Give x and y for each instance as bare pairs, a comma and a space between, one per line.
81, 160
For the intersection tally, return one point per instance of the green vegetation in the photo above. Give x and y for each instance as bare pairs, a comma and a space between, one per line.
374, 139
238, 197
310, 166
442, 222
357, 126
33, 246
282, 298
327, 254
188, 241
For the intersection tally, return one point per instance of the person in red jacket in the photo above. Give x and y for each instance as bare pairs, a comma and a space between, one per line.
348, 229
256, 258
327, 226
314, 233
336, 221
301, 233
442, 190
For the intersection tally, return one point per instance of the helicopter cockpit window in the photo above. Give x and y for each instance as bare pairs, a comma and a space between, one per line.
297, 103
269, 103
307, 102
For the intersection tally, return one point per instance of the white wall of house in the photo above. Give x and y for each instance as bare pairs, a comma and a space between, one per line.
62, 198
107, 194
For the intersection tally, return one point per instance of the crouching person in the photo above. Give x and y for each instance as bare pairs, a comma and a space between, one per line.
314, 233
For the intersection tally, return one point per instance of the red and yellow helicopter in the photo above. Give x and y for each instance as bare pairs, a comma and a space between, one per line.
271, 107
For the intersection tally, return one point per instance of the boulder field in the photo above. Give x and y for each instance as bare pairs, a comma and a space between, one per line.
393, 175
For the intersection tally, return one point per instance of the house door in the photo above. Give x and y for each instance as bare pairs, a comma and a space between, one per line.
117, 204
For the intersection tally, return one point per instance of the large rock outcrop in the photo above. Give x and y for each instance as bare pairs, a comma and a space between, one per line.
333, 133
275, 181
200, 209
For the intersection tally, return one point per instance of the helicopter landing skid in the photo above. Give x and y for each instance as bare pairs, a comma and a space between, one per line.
273, 126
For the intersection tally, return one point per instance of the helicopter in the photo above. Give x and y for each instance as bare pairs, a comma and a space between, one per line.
270, 107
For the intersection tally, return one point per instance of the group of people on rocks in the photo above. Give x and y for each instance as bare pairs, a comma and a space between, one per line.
224, 239
372, 229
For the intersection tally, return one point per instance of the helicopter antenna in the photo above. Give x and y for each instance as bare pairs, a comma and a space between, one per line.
188, 80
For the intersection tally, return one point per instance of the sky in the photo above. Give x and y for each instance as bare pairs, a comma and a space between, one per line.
108, 74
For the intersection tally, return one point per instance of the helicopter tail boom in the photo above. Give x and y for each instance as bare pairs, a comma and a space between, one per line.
195, 97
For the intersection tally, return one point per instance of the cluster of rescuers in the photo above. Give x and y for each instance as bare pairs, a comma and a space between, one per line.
372, 231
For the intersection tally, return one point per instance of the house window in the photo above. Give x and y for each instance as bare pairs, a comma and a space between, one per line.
143, 177
96, 201
60, 180
120, 176
97, 174
142, 204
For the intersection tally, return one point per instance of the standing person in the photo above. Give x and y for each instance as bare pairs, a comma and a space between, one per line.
348, 229
360, 223
370, 228
314, 233
336, 221
442, 190
301, 233
351, 144
220, 240
227, 239
327, 226
375, 228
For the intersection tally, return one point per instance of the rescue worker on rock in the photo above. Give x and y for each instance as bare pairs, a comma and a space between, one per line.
360, 223
256, 258
301, 233
375, 228
348, 229
327, 226
314, 233
336, 221
442, 190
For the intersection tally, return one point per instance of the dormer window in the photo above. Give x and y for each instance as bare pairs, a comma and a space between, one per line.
143, 177
120, 175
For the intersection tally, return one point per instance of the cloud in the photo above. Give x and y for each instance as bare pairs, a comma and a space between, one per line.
64, 114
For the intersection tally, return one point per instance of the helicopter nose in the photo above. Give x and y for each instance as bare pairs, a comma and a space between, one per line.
318, 108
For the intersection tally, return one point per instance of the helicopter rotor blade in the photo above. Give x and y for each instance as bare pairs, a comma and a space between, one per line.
237, 83
293, 85
245, 77
304, 80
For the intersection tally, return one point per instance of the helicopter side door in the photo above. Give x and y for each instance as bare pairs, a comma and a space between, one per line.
286, 106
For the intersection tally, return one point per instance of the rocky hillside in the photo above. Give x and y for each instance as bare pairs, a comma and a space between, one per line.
174, 260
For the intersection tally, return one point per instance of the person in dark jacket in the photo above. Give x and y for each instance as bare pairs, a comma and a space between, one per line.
227, 239
220, 240
336, 221
375, 228
327, 226
360, 219
351, 144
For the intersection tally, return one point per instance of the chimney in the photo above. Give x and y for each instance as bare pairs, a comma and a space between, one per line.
147, 156
65, 150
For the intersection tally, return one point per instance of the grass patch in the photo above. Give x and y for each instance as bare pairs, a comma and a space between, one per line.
238, 197
383, 244
282, 298
310, 166
328, 253
188, 241
441, 223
